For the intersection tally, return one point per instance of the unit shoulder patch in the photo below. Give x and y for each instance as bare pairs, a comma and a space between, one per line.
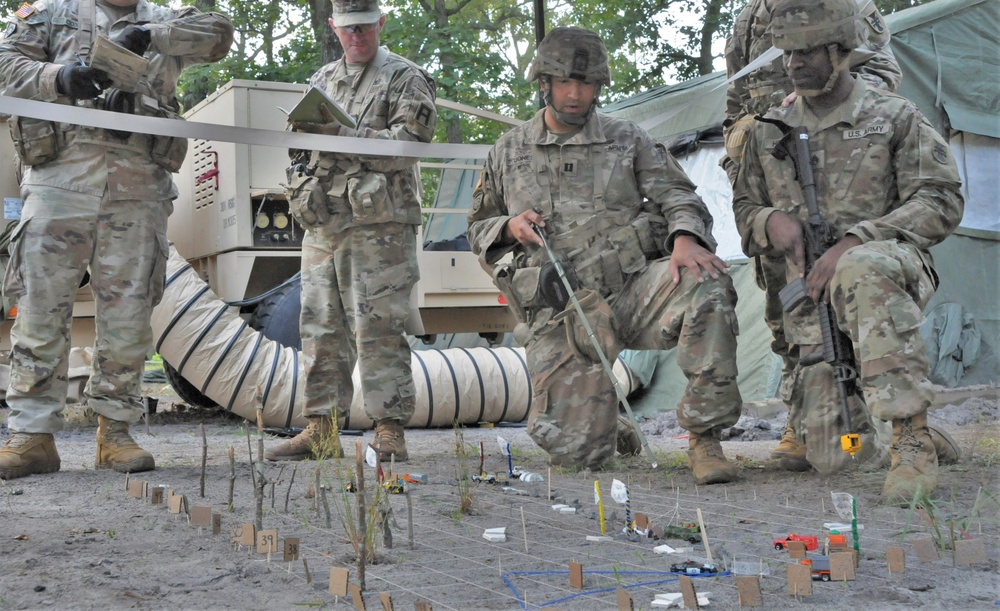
940, 153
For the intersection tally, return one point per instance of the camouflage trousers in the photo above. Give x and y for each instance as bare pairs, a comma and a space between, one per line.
573, 414
878, 293
355, 300
124, 244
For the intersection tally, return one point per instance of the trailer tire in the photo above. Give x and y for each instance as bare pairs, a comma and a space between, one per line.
184, 389
277, 317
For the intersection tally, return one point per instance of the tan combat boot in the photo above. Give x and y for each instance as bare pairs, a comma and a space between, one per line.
389, 440
708, 463
946, 447
628, 443
790, 454
117, 450
319, 439
914, 466
28, 453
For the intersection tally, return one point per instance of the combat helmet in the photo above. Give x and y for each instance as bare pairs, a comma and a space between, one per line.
571, 52
805, 24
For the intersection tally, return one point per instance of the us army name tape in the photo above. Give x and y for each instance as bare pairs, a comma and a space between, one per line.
63, 113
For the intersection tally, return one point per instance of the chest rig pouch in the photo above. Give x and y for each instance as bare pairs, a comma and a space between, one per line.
35, 141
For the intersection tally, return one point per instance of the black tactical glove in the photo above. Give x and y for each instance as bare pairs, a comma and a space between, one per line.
117, 100
135, 38
80, 82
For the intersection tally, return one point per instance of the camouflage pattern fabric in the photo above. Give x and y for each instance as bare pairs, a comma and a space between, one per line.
885, 176
358, 267
355, 300
125, 244
592, 188
101, 203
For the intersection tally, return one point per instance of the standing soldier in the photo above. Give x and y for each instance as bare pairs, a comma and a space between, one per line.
358, 263
93, 198
755, 94
886, 182
622, 216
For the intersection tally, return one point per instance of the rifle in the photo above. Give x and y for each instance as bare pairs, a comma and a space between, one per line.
819, 236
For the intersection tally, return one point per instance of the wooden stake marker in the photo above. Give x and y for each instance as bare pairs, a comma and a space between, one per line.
357, 597
575, 575
688, 592
748, 588
624, 600
895, 559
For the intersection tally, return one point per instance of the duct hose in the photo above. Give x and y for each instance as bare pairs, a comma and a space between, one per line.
214, 348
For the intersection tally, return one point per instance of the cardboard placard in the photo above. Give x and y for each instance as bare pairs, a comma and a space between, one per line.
842, 566
386, 600
748, 588
267, 541
291, 549
927, 550
641, 521
174, 503
248, 534
216, 523
625, 600
357, 598
687, 591
201, 515
422, 605
800, 581
970, 551
895, 559
135, 489
796, 549
575, 575
338, 581
156, 495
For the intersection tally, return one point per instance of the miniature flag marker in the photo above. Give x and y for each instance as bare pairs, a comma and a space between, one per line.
505, 450
846, 507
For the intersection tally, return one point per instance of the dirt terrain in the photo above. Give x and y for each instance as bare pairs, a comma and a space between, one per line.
76, 539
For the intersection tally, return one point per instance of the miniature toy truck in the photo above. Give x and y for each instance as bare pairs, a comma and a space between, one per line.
835, 541
811, 542
819, 566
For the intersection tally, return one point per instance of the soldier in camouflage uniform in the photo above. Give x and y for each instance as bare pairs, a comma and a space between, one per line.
621, 215
92, 198
755, 94
358, 253
888, 184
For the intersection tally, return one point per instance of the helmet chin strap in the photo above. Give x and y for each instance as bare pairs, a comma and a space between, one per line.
562, 117
839, 65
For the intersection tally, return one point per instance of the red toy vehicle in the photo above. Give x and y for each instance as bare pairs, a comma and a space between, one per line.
810, 541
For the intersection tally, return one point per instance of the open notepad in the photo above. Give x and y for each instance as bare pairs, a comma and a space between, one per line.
308, 109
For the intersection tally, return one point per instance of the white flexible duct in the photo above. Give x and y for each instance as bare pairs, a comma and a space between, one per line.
215, 350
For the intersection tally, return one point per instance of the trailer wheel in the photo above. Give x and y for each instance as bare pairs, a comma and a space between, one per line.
825, 577
277, 317
186, 390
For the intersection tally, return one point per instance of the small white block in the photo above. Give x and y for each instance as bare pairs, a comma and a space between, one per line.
599, 538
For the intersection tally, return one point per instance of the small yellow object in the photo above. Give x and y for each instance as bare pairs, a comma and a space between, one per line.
263, 221
850, 443
280, 221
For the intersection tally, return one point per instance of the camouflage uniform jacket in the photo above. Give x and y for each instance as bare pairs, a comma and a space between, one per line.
37, 45
399, 105
769, 85
881, 171
638, 186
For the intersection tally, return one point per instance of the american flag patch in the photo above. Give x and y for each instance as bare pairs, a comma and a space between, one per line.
25, 10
